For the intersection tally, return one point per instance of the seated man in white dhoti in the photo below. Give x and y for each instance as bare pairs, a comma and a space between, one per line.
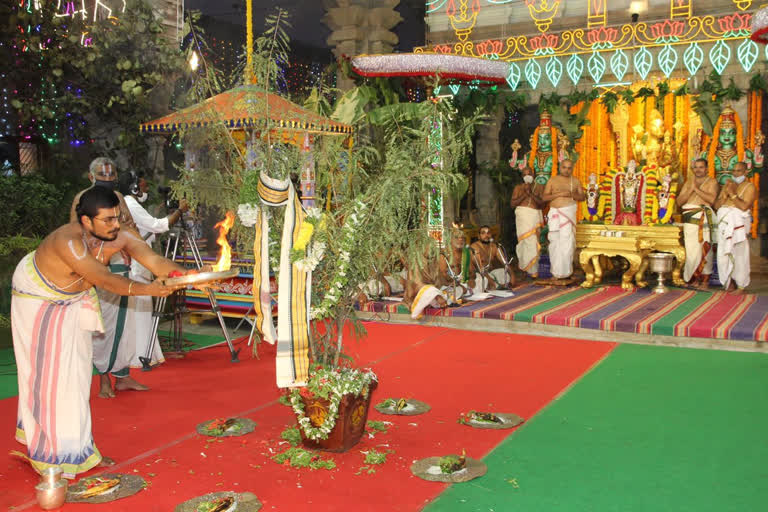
110, 354
139, 309
420, 290
734, 223
457, 275
562, 193
489, 263
697, 196
527, 202
54, 310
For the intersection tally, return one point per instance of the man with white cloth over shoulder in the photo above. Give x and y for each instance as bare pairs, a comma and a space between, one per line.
698, 194
734, 223
135, 189
527, 202
562, 193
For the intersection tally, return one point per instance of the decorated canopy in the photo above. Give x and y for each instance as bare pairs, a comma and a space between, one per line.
243, 107
450, 68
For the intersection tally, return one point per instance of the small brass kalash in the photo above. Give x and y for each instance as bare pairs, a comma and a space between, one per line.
51, 492
661, 263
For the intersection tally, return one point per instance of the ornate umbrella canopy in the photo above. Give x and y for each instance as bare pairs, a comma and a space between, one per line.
450, 68
244, 107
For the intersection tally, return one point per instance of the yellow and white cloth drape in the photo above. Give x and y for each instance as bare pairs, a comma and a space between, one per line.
294, 285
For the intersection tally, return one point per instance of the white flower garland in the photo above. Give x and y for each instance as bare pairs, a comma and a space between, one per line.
336, 288
331, 385
248, 214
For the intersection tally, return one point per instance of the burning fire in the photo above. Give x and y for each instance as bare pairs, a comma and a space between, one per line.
225, 253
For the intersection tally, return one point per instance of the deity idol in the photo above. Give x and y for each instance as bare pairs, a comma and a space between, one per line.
592, 207
727, 148
629, 188
543, 158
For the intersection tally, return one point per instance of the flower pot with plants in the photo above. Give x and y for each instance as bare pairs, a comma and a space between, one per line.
332, 410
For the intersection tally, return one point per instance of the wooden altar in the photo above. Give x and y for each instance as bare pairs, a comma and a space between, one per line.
633, 243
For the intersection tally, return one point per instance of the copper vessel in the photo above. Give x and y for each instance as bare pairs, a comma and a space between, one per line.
51, 492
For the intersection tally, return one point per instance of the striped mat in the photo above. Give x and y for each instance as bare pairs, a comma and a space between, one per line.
679, 312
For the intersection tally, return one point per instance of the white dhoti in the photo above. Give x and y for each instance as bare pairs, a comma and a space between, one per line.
499, 275
114, 349
395, 283
562, 240
52, 344
427, 296
140, 317
698, 241
528, 221
733, 227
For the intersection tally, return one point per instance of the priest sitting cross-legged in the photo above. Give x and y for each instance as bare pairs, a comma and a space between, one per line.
440, 279
490, 267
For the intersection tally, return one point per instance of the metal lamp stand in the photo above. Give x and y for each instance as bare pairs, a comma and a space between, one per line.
176, 235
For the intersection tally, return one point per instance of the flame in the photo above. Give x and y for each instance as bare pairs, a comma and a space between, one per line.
225, 252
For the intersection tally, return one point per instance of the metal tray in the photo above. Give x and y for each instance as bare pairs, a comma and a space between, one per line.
202, 277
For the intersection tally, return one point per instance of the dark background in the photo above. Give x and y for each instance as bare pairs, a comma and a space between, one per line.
306, 18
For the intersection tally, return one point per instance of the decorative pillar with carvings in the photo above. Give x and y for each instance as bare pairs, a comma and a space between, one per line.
361, 26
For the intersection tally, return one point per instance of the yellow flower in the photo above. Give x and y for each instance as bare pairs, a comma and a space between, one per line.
305, 234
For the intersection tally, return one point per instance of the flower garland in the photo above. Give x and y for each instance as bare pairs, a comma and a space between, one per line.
329, 384
308, 259
339, 281
248, 213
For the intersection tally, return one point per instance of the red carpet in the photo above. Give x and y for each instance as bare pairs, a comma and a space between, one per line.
152, 433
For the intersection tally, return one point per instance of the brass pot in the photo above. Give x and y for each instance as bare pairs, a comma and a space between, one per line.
51, 492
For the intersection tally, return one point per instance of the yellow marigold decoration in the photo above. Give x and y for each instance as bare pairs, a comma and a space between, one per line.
305, 234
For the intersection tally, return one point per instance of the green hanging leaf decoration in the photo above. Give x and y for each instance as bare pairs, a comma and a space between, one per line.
554, 70
693, 57
609, 100
667, 60
627, 96
513, 76
575, 67
643, 61
719, 56
747, 54
532, 73
619, 64
596, 66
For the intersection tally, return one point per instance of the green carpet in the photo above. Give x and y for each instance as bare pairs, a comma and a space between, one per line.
649, 429
193, 341
8, 383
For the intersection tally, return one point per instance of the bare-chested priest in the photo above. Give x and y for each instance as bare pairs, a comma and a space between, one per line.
491, 271
527, 202
697, 196
54, 310
734, 223
562, 193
